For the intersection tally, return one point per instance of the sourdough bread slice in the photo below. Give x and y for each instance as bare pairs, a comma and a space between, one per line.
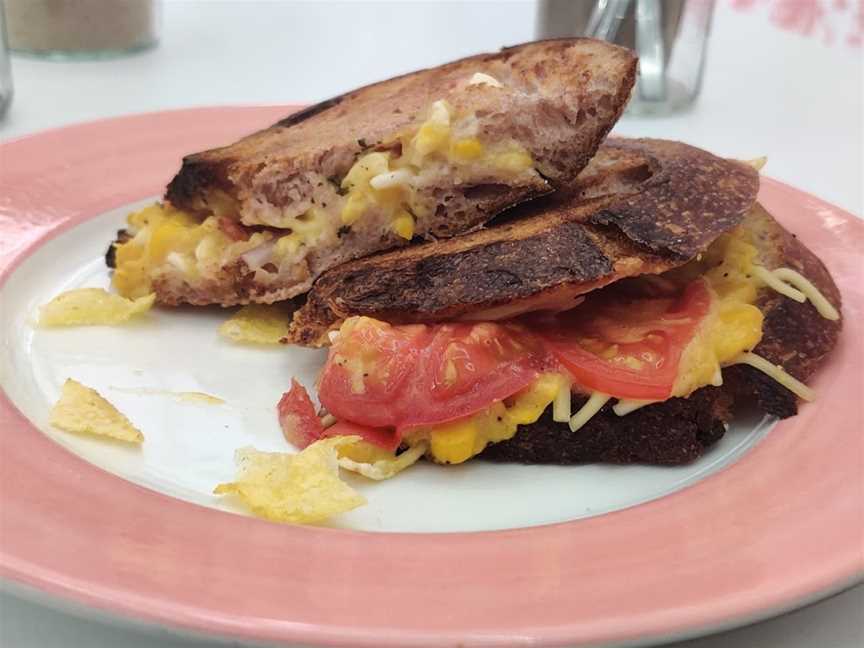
640, 207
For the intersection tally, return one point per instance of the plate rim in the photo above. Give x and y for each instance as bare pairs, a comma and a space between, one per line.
30, 228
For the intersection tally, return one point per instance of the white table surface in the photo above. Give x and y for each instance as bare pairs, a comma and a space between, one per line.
794, 97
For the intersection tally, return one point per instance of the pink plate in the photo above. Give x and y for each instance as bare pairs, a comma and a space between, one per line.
779, 527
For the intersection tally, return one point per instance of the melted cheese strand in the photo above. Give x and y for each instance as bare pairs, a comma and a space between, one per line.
811, 292
561, 409
385, 469
717, 378
771, 280
777, 373
588, 410
625, 406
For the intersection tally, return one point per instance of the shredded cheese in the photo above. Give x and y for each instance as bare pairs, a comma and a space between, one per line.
327, 420
387, 468
588, 410
481, 78
561, 409
391, 179
625, 406
811, 292
771, 280
801, 289
777, 373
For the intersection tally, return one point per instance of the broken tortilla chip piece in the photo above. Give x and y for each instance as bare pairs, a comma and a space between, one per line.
257, 324
83, 410
302, 488
92, 306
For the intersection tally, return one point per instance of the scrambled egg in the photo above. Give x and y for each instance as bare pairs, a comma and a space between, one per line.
86, 306
301, 488
734, 324
460, 440
385, 181
257, 324
167, 237
83, 410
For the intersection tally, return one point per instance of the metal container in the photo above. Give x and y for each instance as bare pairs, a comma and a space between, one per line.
669, 36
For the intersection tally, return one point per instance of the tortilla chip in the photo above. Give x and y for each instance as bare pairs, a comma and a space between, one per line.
92, 306
83, 410
302, 488
257, 324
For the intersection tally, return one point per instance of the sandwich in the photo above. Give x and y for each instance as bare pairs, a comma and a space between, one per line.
620, 321
428, 155
493, 277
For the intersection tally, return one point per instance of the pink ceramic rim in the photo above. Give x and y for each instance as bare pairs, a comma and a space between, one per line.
777, 528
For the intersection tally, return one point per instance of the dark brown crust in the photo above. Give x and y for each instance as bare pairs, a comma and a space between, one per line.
545, 245
307, 113
589, 78
111, 252
195, 176
680, 430
674, 432
670, 216
794, 336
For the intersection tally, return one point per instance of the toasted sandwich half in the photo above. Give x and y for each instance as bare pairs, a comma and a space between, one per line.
431, 154
641, 207
621, 324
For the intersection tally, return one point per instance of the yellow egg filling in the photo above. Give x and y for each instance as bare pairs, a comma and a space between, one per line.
165, 239
383, 181
734, 324
458, 441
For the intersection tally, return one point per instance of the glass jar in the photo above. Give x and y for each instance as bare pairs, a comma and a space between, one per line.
669, 36
82, 29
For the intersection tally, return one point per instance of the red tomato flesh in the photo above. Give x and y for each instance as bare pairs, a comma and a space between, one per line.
386, 379
625, 346
300, 424
302, 427
381, 437
402, 377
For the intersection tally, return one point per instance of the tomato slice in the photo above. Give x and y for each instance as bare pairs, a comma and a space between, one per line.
381, 437
402, 377
382, 380
626, 346
297, 417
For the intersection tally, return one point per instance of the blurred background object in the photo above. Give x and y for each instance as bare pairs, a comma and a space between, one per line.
5, 68
82, 29
670, 36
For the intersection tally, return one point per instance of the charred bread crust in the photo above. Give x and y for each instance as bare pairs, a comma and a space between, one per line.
795, 336
681, 212
111, 252
545, 245
672, 433
563, 95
